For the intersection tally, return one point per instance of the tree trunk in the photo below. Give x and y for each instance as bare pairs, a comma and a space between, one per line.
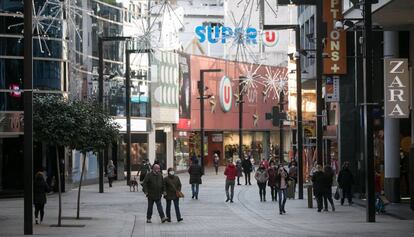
59, 186
80, 185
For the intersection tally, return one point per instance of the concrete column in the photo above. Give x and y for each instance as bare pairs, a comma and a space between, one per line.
170, 147
411, 162
151, 146
391, 133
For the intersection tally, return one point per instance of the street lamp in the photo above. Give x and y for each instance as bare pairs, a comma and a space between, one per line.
299, 129
201, 93
101, 40
240, 102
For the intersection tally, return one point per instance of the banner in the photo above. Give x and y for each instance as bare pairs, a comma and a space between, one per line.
397, 88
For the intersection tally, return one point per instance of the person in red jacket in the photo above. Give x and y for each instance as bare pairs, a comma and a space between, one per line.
230, 172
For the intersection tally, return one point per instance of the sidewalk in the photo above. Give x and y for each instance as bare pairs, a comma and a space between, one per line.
119, 212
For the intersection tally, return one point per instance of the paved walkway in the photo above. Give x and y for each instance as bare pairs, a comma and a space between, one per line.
119, 212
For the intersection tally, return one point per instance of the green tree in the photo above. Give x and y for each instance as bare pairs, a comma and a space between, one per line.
54, 123
96, 132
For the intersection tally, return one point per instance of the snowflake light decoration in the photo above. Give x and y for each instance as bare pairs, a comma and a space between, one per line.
249, 5
275, 82
251, 79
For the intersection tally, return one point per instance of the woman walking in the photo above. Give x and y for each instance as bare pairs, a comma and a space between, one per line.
262, 176
327, 193
318, 187
172, 185
230, 172
282, 185
239, 171
111, 172
40, 189
216, 161
272, 171
195, 172
345, 181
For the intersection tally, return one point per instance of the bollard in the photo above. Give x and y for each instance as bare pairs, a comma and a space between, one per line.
310, 196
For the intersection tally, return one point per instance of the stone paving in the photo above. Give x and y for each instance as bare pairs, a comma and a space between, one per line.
119, 212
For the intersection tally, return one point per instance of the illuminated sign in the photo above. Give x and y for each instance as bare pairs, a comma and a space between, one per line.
249, 35
335, 48
225, 93
397, 93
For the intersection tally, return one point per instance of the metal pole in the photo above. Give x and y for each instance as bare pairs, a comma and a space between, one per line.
261, 25
299, 114
241, 118
319, 71
128, 112
28, 118
368, 140
100, 95
281, 109
411, 161
201, 92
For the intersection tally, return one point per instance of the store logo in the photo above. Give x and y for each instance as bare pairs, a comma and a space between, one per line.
225, 94
270, 38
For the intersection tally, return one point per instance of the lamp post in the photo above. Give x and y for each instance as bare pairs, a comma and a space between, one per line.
28, 118
299, 129
201, 93
101, 40
240, 102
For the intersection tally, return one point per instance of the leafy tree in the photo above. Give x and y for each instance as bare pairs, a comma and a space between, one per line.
54, 123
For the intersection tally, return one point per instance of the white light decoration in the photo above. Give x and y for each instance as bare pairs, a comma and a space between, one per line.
251, 79
249, 5
275, 81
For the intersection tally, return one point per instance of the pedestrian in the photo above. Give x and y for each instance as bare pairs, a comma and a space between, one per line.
40, 189
253, 162
172, 185
327, 193
293, 174
230, 172
345, 182
247, 169
144, 170
272, 171
318, 187
216, 161
265, 163
379, 203
262, 176
195, 172
153, 187
239, 171
282, 185
110, 168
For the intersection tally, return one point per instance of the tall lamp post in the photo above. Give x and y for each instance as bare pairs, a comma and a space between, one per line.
299, 124
101, 40
201, 93
28, 118
240, 102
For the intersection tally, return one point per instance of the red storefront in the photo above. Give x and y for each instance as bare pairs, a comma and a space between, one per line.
221, 113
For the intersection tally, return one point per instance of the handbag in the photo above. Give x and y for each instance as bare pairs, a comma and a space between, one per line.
337, 194
179, 194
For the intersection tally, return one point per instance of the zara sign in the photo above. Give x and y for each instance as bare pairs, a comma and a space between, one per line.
397, 88
225, 94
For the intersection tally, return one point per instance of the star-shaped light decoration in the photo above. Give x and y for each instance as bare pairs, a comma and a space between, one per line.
275, 81
249, 5
255, 119
250, 80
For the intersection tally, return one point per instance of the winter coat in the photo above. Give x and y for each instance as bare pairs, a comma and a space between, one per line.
261, 175
144, 170
272, 176
40, 189
293, 173
195, 172
239, 169
247, 165
328, 180
279, 177
345, 179
111, 171
317, 182
230, 172
153, 186
172, 184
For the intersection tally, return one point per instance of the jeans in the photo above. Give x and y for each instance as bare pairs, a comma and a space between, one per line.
273, 192
346, 192
110, 179
150, 207
319, 200
230, 184
216, 168
327, 196
282, 198
194, 189
262, 191
176, 206
39, 207
247, 177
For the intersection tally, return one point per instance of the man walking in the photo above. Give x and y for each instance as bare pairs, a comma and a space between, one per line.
153, 187
345, 181
247, 169
230, 172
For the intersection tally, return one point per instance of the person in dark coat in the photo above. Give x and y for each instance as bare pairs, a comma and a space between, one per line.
318, 187
110, 172
345, 182
239, 169
40, 189
172, 184
328, 180
247, 169
230, 172
144, 169
195, 172
272, 171
153, 187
